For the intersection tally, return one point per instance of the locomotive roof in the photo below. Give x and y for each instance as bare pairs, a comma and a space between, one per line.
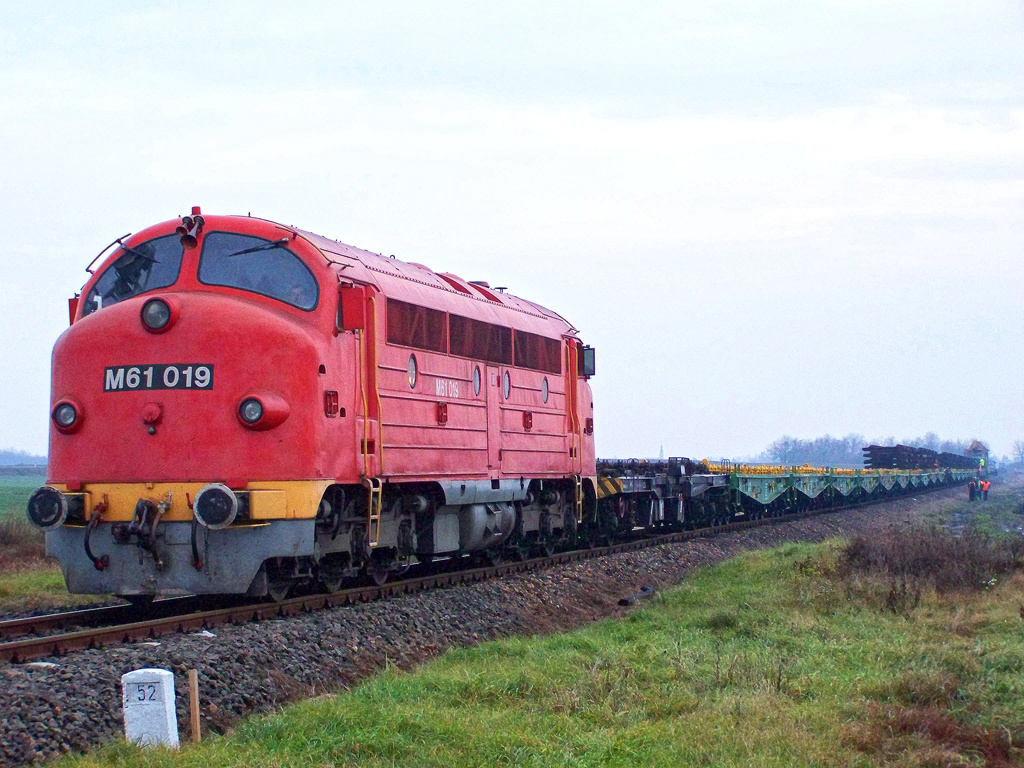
418, 284
403, 280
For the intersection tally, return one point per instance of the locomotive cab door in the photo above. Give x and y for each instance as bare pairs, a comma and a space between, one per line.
493, 390
572, 405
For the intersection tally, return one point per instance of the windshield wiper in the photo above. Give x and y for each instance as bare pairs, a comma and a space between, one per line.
264, 247
140, 254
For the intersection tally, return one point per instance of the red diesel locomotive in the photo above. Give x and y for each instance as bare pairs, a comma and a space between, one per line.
240, 406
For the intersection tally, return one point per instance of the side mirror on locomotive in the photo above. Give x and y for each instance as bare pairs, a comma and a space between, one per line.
587, 363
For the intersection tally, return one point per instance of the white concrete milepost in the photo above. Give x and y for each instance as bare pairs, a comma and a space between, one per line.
149, 716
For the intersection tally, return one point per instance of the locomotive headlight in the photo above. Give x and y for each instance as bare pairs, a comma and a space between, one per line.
65, 415
215, 506
47, 508
251, 410
262, 410
156, 314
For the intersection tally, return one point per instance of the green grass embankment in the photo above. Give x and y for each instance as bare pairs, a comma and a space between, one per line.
796, 656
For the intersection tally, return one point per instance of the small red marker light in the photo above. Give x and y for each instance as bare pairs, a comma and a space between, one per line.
195, 210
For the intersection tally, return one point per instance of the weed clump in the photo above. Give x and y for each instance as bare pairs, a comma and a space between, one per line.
19, 542
721, 621
941, 739
913, 557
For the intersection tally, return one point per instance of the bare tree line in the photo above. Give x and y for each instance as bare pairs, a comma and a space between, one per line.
828, 451
13, 457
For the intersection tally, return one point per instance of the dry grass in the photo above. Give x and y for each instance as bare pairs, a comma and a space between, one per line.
909, 560
928, 736
917, 718
21, 545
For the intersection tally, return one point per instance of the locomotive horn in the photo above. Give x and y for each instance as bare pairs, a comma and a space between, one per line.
184, 227
191, 237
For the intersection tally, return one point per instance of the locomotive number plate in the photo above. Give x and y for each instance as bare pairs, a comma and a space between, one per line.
446, 387
122, 378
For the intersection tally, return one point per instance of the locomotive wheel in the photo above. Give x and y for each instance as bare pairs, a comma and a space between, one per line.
379, 568
493, 556
278, 591
519, 547
546, 547
606, 538
570, 533
378, 574
331, 581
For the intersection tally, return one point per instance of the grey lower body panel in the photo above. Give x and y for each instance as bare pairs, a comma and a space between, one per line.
459, 492
231, 558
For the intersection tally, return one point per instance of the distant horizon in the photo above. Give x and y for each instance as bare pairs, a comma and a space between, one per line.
8, 456
35, 459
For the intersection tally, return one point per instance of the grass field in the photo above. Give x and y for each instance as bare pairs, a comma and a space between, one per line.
38, 589
21, 544
795, 656
15, 490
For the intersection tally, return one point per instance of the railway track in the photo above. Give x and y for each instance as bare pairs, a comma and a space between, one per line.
101, 616
112, 625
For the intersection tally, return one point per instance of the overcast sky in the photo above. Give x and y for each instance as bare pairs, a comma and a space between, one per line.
769, 217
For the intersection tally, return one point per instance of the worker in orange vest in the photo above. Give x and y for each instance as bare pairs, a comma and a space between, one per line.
984, 489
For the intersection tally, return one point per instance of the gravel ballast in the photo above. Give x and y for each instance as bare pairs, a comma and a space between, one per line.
73, 703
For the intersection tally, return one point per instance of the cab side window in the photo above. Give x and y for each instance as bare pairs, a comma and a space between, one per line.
140, 268
257, 265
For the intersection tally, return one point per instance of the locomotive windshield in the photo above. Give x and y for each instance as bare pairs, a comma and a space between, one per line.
140, 268
257, 265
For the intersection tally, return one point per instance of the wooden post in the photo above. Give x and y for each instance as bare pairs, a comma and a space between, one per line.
193, 702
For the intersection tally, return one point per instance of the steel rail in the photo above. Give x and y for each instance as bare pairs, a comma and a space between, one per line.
103, 615
30, 649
